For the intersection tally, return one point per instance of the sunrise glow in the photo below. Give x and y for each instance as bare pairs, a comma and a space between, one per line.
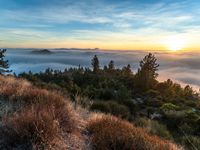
175, 43
112, 25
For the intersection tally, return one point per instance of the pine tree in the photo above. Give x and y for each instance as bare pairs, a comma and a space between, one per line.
146, 75
95, 64
111, 65
3, 63
127, 70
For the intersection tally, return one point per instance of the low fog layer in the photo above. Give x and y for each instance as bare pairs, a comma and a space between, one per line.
183, 68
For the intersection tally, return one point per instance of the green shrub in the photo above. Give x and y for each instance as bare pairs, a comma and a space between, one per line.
111, 107
169, 107
154, 102
128, 103
152, 93
188, 129
191, 142
141, 122
100, 106
192, 117
160, 130
153, 127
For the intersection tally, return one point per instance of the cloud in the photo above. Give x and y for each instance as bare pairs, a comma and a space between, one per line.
190, 81
132, 23
94, 12
173, 66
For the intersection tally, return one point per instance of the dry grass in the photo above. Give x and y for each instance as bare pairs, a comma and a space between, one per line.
37, 117
33, 125
110, 133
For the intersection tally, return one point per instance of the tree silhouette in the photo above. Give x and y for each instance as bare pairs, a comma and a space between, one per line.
146, 75
95, 64
127, 70
111, 65
3, 63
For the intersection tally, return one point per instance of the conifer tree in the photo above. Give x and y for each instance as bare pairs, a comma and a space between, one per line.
127, 69
95, 64
111, 65
3, 63
146, 75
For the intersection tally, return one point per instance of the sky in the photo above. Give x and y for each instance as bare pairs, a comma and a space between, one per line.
105, 24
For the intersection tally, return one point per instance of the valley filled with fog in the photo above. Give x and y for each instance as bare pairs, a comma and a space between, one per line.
183, 68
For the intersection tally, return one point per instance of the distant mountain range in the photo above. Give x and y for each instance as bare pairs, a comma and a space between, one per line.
77, 48
47, 51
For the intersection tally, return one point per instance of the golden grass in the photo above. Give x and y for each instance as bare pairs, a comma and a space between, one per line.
40, 116
109, 132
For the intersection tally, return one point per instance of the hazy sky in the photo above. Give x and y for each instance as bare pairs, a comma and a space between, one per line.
106, 24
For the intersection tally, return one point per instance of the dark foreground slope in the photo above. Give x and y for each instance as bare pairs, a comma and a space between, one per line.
33, 118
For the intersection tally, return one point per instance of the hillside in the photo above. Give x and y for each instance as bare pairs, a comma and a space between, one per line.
166, 109
35, 118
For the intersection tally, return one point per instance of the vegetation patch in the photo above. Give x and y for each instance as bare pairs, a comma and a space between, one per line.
111, 133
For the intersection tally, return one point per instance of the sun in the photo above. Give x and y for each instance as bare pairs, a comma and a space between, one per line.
175, 43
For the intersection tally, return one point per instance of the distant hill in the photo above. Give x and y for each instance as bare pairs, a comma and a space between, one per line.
43, 51
78, 49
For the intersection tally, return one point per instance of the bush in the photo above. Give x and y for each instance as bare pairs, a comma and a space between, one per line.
191, 142
154, 102
35, 126
38, 125
169, 107
111, 107
152, 93
111, 133
160, 130
100, 106
141, 122
153, 127
37, 116
130, 104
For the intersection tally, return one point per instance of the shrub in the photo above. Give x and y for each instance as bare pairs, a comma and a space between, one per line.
39, 118
188, 129
112, 133
154, 102
174, 118
141, 122
169, 107
35, 126
111, 107
153, 127
43, 98
38, 125
100, 106
152, 93
119, 110
160, 130
191, 142
130, 104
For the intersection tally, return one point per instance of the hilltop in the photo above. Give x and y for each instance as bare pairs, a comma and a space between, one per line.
43, 51
36, 118
165, 109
